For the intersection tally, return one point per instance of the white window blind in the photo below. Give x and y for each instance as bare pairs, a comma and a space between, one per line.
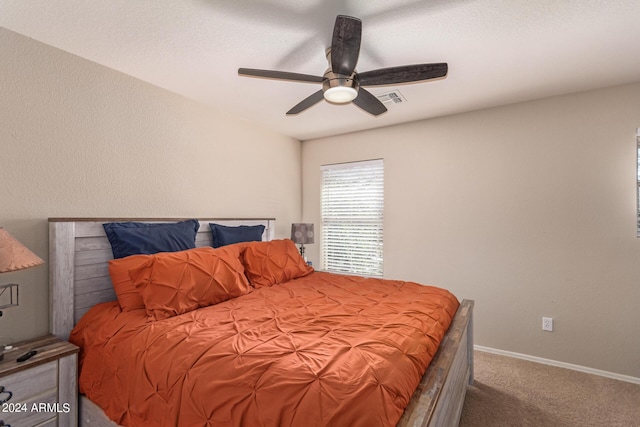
352, 218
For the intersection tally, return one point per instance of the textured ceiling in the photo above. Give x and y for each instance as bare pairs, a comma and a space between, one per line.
498, 51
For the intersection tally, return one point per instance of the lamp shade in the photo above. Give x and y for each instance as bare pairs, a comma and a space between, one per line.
302, 234
14, 255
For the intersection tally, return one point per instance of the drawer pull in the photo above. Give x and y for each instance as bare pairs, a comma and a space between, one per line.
9, 396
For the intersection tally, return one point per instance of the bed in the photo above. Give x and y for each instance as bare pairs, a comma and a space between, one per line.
79, 280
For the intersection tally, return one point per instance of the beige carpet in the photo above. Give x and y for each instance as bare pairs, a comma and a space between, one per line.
514, 392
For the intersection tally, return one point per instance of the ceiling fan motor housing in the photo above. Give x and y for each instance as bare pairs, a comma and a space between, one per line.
340, 88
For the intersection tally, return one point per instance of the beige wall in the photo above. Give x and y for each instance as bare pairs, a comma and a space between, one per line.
528, 209
79, 139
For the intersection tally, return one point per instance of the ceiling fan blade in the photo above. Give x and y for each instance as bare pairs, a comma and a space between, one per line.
345, 45
309, 101
403, 74
279, 75
369, 103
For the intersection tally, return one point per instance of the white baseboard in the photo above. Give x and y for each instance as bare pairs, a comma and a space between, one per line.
544, 361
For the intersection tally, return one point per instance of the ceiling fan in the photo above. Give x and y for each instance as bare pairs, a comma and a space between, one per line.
341, 84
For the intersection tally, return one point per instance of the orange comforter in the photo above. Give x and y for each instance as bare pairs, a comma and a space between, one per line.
323, 349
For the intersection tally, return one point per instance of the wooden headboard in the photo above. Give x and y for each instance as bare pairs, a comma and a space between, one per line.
79, 252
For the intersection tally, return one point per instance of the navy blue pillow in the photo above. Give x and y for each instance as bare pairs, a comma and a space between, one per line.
224, 235
133, 238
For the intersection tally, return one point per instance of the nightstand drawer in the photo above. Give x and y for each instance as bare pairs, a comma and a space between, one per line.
37, 410
31, 382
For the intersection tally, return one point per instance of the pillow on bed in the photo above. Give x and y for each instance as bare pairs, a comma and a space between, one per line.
223, 235
132, 238
128, 296
173, 283
273, 262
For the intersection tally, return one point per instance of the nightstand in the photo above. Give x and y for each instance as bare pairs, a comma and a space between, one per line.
41, 391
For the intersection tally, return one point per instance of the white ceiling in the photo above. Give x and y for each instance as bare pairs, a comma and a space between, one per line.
498, 51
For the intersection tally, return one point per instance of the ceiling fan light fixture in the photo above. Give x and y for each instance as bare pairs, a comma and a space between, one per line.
340, 94
338, 88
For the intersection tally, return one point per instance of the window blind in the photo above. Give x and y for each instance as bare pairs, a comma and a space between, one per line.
352, 205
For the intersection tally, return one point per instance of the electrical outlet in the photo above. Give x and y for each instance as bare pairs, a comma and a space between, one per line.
547, 324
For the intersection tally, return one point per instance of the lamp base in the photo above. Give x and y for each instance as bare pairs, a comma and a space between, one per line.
8, 296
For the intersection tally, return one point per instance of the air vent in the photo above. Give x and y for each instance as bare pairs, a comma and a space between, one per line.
393, 97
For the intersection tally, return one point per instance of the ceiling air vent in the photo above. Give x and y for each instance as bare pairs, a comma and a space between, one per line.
393, 97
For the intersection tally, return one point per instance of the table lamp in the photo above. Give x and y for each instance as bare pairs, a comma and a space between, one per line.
302, 234
13, 256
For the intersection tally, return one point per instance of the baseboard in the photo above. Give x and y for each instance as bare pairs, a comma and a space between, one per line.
544, 361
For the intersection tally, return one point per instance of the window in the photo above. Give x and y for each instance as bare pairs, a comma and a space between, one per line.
352, 218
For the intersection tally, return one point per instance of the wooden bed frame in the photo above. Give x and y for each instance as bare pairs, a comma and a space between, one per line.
79, 278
